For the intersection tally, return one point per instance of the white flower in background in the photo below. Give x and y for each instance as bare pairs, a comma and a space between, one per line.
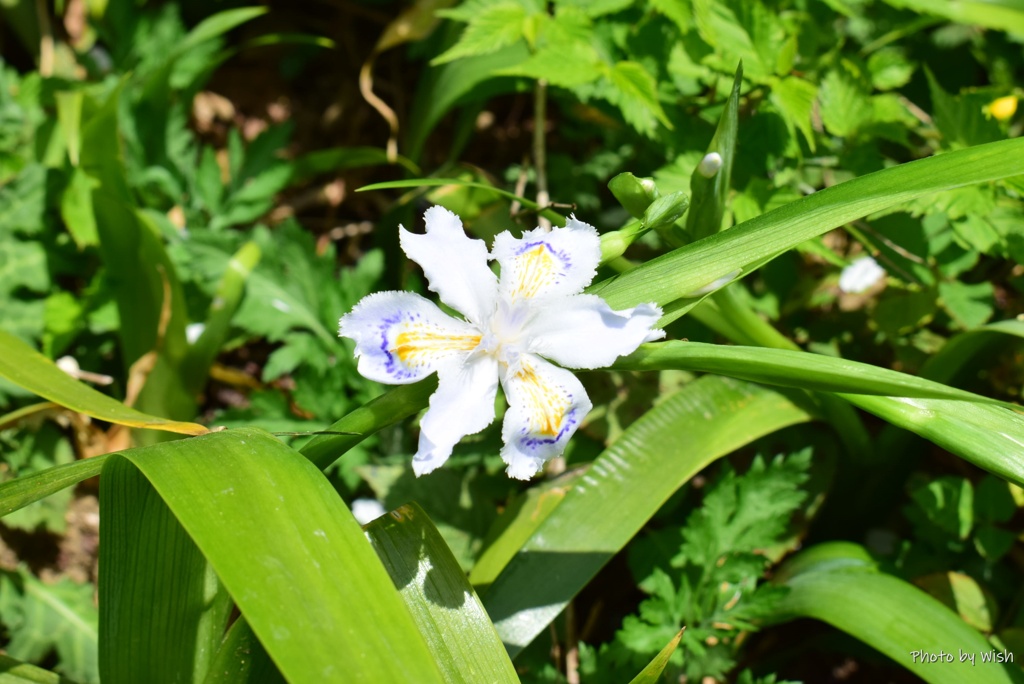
535, 310
367, 510
859, 276
193, 331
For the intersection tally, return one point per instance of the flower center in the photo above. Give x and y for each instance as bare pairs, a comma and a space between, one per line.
504, 340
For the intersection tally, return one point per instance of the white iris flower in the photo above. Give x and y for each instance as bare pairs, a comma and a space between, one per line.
535, 310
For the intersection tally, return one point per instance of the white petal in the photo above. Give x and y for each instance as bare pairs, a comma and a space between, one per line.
860, 275
455, 265
402, 337
582, 331
545, 406
561, 262
462, 405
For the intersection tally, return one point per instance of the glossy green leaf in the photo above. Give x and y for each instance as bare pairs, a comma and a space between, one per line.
517, 523
162, 610
241, 659
994, 14
20, 492
789, 369
991, 437
258, 504
623, 488
709, 193
836, 583
446, 609
652, 673
745, 247
29, 369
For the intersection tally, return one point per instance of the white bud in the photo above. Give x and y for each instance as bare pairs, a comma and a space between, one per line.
648, 185
859, 276
193, 331
710, 164
69, 364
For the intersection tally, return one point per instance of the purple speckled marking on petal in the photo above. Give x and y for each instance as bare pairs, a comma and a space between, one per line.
534, 442
563, 256
393, 367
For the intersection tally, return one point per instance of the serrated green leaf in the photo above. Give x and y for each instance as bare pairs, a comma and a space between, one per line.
969, 304
890, 68
57, 617
795, 99
845, 107
23, 265
637, 88
496, 26
560, 65
961, 119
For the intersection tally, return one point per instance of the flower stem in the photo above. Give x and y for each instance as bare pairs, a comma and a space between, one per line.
540, 106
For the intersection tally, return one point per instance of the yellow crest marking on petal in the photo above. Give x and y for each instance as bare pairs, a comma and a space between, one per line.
416, 346
547, 404
536, 268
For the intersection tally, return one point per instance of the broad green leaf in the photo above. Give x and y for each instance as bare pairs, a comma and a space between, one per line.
789, 369
836, 583
709, 194
15, 672
623, 488
394, 405
441, 600
258, 504
41, 618
16, 494
27, 368
652, 673
241, 659
991, 437
749, 245
162, 609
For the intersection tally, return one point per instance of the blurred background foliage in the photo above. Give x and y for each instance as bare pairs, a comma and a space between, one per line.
232, 139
